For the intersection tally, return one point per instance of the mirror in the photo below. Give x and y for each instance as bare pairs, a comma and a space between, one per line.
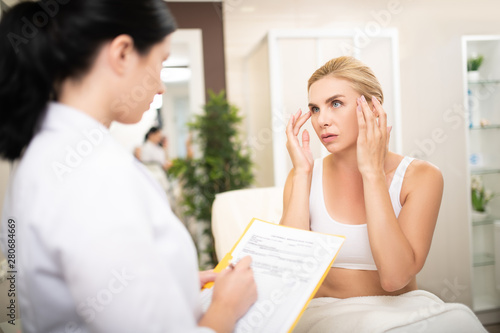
183, 77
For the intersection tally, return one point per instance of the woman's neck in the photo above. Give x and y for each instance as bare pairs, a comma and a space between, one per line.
345, 161
93, 92
86, 97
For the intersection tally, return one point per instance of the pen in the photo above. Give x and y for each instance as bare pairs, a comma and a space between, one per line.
230, 266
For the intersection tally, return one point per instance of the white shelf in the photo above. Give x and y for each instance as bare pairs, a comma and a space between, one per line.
485, 127
483, 259
486, 302
481, 98
484, 171
486, 295
484, 221
485, 81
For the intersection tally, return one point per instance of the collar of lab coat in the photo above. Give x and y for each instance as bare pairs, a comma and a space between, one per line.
60, 116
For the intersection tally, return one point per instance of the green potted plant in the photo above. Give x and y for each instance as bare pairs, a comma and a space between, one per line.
479, 197
473, 64
224, 165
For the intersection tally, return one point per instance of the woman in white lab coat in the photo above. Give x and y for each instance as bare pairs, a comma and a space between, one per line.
90, 234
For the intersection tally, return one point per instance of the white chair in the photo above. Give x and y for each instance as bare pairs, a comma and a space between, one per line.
233, 210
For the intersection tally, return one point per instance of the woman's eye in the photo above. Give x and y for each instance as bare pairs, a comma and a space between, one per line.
336, 104
314, 109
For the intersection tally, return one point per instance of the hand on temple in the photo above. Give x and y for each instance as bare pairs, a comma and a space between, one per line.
301, 156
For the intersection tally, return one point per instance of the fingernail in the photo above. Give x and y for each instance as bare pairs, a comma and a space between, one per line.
358, 108
363, 98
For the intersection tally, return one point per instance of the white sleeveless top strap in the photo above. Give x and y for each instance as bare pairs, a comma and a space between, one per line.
397, 183
356, 252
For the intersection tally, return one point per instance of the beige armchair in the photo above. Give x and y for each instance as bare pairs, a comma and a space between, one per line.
233, 210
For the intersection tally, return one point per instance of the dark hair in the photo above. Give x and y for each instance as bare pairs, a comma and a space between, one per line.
44, 42
151, 131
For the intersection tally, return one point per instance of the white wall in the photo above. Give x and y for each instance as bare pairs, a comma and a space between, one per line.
431, 85
258, 124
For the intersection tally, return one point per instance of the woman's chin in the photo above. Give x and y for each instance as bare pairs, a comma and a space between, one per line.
331, 148
131, 118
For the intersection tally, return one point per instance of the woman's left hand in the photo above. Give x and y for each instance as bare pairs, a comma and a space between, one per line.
373, 137
207, 276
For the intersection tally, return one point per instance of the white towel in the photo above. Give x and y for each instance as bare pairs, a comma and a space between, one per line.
415, 311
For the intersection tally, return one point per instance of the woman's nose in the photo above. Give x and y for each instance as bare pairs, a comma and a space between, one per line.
324, 119
161, 88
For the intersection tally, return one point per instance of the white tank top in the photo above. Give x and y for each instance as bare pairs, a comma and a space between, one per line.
356, 252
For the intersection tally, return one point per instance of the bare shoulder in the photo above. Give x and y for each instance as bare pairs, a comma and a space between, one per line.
422, 179
423, 171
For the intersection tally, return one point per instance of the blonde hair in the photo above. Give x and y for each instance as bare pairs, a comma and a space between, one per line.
351, 69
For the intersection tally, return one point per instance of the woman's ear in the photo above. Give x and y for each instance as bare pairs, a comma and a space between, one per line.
121, 53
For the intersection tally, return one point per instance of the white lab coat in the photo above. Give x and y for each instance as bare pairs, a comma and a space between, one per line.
98, 248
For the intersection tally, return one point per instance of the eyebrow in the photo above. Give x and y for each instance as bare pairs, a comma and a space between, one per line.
328, 100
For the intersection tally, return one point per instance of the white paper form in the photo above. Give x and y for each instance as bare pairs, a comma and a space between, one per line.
288, 264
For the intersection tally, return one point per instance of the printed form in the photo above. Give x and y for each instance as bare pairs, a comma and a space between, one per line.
289, 265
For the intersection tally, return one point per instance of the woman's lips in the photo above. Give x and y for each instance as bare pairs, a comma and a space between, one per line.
329, 137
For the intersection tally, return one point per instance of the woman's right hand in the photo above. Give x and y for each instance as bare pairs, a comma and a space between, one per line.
235, 289
300, 155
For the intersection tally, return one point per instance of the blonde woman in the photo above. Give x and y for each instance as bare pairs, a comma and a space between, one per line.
384, 203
